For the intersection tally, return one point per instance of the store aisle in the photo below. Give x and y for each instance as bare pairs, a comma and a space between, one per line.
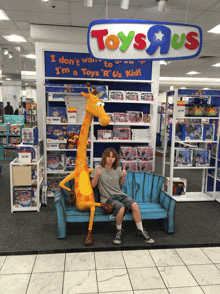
155, 271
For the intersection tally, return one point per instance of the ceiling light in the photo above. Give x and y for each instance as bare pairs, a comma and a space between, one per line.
217, 65
205, 88
10, 55
124, 4
88, 3
14, 38
161, 5
31, 56
3, 15
192, 73
5, 51
215, 30
8, 79
28, 73
45, 1
18, 48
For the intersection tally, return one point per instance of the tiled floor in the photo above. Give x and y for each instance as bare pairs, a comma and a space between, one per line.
155, 271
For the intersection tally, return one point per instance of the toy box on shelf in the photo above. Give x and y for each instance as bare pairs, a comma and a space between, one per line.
30, 136
29, 153
179, 186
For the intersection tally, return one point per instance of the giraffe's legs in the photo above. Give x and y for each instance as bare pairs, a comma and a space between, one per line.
72, 194
89, 239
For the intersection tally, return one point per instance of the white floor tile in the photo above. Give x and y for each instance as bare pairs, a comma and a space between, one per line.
80, 261
193, 256
114, 280
14, 284
152, 291
145, 278
138, 258
213, 289
218, 266
20, 264
121, 292
44, 283
205, 274
80, 282
177, 276
2, 260
109, 260
213, 253
49, 263
186, 290
166, 257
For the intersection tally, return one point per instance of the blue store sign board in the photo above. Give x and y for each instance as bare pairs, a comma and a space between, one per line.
82, 66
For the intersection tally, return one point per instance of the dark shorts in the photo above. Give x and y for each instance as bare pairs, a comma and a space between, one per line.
120, 201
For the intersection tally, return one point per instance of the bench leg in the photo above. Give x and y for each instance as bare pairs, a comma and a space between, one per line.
61, 233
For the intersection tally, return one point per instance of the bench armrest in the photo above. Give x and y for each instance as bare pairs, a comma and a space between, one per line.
169, 204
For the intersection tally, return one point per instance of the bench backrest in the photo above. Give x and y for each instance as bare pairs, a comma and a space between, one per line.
143, 187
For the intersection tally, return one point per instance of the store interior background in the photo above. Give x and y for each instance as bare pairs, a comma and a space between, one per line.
18, 74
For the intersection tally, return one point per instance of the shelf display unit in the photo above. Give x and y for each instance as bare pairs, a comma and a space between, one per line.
10, 135
196, 123
26, 179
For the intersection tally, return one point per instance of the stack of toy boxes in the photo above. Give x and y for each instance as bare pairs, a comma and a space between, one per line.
30, 136
34, 151
184, 157
57, 112
179, 186
145, 155
121, 133
178, 133
128, 157
112, 117
56, 162
201, 157
117, 95
52, 185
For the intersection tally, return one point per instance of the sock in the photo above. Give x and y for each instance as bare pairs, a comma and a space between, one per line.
118, 227
140, 226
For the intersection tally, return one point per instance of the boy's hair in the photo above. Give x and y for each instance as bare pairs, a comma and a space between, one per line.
106, 153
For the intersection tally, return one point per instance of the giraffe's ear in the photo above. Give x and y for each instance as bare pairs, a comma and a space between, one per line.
85, 94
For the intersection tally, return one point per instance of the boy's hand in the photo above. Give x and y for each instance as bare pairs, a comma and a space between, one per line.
124, 172
99, 171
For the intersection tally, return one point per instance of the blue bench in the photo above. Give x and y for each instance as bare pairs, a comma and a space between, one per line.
144, 188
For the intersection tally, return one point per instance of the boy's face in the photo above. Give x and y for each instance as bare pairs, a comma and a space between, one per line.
110, 159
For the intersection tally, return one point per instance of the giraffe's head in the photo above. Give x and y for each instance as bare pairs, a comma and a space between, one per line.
94, 106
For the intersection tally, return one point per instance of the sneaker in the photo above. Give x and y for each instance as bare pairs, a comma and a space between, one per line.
144, 235
118, 237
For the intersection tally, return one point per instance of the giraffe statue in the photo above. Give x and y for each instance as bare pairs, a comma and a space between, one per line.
83, 195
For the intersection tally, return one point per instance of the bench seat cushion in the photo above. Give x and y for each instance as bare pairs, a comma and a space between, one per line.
148, 211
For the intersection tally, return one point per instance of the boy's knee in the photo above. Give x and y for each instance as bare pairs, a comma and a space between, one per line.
135, 206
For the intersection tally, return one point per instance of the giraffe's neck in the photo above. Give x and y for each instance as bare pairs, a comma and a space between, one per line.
82, 143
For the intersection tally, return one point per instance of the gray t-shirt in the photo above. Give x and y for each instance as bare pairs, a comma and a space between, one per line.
108, 183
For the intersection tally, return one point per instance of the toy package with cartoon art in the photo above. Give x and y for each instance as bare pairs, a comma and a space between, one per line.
52, 185
145, 153
135, 116
120, 117
192, 132
201, 157
117, 95
128, 153
112, 117
129, 166
131, 96
30, 136
105, 134
146, 96
56, 161
184, 157
208, 132
179, 186
121, 133
145, 166
56, 134
57, 111
24, 197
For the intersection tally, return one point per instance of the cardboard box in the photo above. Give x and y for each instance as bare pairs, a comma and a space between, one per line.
179, 186
21, 175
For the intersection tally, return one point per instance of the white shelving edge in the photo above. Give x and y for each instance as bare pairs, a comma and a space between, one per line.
198, 196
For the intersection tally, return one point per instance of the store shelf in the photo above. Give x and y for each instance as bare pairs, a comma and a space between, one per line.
121, 141
48, 149
194, 196
127, 124
128, 101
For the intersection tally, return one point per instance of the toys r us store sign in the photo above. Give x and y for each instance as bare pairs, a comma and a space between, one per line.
141, 40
